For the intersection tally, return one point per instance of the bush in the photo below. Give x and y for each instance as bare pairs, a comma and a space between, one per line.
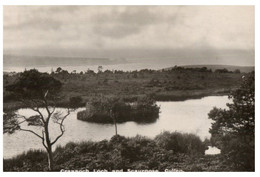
137, 153
178, 142
76, 101
32, 160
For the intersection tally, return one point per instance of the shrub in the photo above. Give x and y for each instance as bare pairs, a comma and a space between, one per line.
137, 153
76, 101
32, 160
183, 143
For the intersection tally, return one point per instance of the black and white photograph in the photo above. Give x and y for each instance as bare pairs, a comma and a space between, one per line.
128, 88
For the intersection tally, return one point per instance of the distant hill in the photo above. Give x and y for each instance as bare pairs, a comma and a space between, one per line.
214, 67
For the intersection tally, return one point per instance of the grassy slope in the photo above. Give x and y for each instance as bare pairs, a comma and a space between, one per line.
174, 85
163, 86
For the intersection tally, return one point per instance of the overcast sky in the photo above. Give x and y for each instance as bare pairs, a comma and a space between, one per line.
128, 31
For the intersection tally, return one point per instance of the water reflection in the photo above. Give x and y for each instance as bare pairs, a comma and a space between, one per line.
212, 151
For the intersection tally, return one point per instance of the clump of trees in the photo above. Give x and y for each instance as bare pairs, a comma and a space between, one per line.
222, 71
233, 130
38, 92
201, 69
110, 110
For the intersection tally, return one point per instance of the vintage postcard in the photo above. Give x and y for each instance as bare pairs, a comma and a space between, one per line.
128, 88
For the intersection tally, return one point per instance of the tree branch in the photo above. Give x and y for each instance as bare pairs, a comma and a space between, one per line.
46, 107
39, 112
54, 107
21, 116
61, 127
43, 140
33, 108
31, 132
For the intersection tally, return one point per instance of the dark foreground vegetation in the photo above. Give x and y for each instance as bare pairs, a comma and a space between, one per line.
177, 83
104, 110
233, 130
183, 152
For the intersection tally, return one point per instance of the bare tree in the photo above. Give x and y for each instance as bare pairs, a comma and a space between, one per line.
114, 106
34, 90
113, 116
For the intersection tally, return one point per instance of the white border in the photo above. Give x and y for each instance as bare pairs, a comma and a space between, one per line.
134, 2
128, 2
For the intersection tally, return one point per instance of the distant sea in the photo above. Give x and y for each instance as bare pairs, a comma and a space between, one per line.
79, 68
14, 63
47, 64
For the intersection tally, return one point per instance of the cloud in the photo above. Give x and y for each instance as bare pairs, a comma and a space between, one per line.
119, 24
60, 9
35, 24
35, 17
133, 28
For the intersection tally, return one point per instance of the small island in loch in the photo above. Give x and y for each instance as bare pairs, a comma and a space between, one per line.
103, 110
